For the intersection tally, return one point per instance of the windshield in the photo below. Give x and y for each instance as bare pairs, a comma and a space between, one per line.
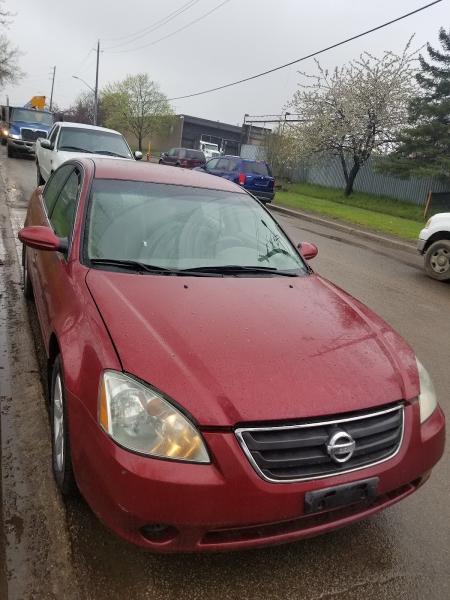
207, 146
182, 227
31, 116
93, 141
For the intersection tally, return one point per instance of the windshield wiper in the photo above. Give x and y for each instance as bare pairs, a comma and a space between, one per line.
140, 267
74, 149
236, 269
109, 153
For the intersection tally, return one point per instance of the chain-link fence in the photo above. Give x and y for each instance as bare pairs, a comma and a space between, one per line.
328, 172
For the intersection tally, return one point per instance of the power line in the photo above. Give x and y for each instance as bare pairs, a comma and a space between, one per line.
293, 62
165, 37
149, 29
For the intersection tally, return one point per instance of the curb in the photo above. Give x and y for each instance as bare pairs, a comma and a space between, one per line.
369, 236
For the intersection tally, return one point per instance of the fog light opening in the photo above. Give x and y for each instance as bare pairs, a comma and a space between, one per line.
159, 532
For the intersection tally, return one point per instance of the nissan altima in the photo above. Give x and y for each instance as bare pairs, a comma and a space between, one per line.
208, 390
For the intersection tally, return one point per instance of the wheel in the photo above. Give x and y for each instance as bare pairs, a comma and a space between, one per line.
437, 260
10, 152
61, 456
39, 178
160, 162
177, 164
3, 141
27, 285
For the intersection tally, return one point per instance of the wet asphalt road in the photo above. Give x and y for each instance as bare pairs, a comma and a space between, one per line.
401, 553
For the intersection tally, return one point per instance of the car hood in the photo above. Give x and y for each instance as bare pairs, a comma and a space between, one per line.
62, 156
244, 349
19, 124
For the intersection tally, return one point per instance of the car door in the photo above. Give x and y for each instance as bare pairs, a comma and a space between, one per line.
53, 269
221, 169
172, 156
46, 156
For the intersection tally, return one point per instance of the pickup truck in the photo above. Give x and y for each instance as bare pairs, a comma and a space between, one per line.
434, 244
21, 127
70, 140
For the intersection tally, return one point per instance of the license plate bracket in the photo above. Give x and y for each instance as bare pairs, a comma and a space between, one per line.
364, 490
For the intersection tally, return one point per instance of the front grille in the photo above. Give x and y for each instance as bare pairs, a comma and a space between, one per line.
29, 135
299, 452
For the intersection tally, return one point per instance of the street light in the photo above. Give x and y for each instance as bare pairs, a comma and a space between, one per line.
95, 96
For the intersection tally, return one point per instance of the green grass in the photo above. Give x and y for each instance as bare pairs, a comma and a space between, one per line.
385, 215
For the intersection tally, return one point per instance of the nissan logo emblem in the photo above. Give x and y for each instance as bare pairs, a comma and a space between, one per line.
341, 447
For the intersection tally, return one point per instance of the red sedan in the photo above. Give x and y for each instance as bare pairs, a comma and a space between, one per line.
208, 391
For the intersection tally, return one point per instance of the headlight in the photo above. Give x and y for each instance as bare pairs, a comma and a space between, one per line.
5, 132
15, 136
427, 396
140, 419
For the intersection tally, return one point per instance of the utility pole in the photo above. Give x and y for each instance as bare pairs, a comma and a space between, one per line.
96, 85
53, 85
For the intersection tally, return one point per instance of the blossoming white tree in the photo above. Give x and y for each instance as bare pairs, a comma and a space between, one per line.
355, 110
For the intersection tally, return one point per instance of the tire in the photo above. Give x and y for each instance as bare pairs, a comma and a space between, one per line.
3, 141
27, 285
437, 260
160, 162
10, 152
39, 178
61, 456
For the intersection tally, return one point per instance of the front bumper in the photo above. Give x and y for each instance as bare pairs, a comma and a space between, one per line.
20, 146
421, 245
263, 196
226, 505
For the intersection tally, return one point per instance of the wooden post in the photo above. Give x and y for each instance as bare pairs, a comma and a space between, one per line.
427, 205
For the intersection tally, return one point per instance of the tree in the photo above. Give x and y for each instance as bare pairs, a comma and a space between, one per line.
82, 111
356, 110
136, 105
279, 152
424, 146
9, 68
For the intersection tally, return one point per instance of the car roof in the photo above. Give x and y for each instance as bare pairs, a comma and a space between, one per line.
70, 124
115, 168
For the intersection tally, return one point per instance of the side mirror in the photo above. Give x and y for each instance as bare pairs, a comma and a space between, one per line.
308, 250
138, 155
45, 143
42, 238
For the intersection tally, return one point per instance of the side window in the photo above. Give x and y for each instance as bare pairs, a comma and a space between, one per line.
212, 164
234, 164
181, 153
53, 134
63, 214
54, 185
223, 164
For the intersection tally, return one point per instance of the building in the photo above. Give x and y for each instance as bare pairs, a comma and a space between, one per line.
187, 131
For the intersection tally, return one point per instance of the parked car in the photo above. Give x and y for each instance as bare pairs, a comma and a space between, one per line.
208, 390
183, 157
253, 175
434, 244
69, 140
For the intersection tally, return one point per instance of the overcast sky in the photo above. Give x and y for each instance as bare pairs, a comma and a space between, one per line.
239, 39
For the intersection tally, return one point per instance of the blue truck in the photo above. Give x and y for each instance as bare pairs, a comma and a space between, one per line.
22, 126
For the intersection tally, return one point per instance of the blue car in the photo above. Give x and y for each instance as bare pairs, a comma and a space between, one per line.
254, 175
